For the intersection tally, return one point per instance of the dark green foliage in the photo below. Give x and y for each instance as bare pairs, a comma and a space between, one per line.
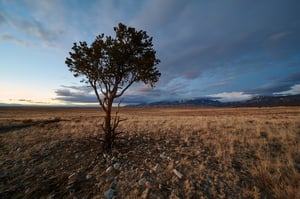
111, 65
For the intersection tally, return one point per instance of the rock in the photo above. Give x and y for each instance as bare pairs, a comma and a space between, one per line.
114, 159
105, 155
88, 176
113, 185
109, 193
148, 184
163, 156
116, 166
51, 196
173, 195
109, 169
157, 168
76, 156
142, 181
72, 178
98, 177
177, 173
145, 193
7, 162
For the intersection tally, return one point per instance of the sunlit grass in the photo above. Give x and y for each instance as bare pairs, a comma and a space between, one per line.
222, 153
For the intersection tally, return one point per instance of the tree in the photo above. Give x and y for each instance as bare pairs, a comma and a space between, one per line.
110, 66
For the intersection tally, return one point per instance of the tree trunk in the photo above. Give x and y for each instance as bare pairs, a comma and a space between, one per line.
108, 139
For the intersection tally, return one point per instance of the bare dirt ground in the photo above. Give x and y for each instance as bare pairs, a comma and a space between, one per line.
163, 153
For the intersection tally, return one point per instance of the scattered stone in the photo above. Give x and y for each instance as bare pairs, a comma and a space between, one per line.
160, 186
148, 184
113, 185
162, 155
98, 177
177, 173
157, 168
114, 159
173, 195
116, 166
72, 178
88, 176
109, 169
72, 175
76, 156
7, 162
105, 155
109, 193
51, 196
142, 181
145, 193
85, 197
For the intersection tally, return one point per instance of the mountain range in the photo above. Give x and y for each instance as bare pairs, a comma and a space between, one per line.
258, 101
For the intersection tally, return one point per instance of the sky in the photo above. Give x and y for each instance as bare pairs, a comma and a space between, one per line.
228, 50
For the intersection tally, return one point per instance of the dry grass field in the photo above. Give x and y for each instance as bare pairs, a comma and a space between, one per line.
163, 153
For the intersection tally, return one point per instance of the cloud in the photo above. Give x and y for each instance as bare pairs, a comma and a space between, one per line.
279, 85
268, 89
137, 94
294, 77
33, 23
279, 36
140, 93
2, 19
192, 74
201, 44
24, 100
76, 94
231, 96
221, 35
13, 39
64, 92
30, 27
294, 90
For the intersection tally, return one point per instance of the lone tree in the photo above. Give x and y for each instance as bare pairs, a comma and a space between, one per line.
110, 66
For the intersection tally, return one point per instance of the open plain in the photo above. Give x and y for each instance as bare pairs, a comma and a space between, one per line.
162, 153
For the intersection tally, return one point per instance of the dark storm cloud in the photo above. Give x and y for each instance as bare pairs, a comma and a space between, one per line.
136, 95
293, 78
84, 94
206, 35
269, 89
141, 93
76, 94
192, 74
221, 42
64, 92
277, 86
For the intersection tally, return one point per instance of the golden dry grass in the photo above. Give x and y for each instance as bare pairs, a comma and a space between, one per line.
221, 153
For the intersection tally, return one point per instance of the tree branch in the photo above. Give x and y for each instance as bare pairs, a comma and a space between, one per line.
117, 118
97, 95
123, 91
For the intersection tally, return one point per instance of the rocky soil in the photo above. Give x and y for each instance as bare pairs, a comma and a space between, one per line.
44, 159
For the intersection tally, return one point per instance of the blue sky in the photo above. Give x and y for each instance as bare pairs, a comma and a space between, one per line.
230, 50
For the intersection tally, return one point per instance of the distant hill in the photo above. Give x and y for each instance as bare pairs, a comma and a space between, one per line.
291, 100
193, 102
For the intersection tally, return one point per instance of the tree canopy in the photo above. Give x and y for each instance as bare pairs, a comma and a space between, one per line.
111, 65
